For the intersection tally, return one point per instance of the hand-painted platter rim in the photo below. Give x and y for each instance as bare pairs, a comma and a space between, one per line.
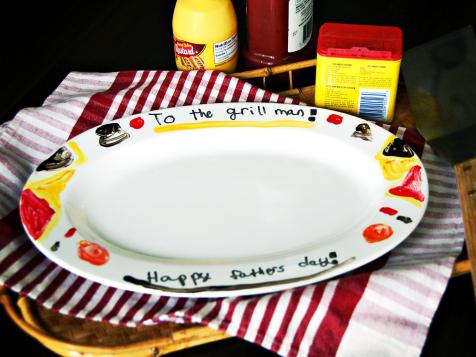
401, 206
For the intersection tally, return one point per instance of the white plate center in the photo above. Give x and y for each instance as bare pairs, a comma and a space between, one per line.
215, 198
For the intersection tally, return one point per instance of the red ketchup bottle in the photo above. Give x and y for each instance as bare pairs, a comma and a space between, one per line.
278, 32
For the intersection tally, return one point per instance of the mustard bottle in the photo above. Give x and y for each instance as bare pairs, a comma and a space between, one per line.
205, 35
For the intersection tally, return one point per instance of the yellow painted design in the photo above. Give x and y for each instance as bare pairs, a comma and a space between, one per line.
234, 124
393, 167
80, 157
50, 189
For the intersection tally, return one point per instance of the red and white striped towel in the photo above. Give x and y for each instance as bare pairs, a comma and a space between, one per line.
384, 308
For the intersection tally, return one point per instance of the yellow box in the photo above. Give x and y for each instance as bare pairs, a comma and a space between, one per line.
358, 68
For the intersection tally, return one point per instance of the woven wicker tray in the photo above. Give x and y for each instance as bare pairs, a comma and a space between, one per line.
69, 336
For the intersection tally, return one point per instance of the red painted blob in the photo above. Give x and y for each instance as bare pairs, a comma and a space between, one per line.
137, 123
377, 232
70, 233
388, 210
411, 185
335, 119
92, 253
35, 213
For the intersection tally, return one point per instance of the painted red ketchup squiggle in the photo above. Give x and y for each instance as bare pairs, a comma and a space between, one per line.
35, 213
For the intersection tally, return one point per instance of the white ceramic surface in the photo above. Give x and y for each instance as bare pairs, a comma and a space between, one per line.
224, 199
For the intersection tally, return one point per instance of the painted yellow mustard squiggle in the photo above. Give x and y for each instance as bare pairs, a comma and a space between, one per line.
234, 124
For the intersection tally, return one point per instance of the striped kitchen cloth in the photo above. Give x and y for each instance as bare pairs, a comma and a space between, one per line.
382, 309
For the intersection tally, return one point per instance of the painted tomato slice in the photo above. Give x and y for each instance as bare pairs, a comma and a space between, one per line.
377, 232
92, 252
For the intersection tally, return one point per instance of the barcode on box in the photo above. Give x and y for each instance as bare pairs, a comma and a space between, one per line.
373, 103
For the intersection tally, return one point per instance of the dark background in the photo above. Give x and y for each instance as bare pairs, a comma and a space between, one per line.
43, 41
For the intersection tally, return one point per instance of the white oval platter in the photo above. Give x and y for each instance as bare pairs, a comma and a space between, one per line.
224, 199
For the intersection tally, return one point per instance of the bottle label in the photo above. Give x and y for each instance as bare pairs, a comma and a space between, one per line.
299, 24
225, 50
190, 55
